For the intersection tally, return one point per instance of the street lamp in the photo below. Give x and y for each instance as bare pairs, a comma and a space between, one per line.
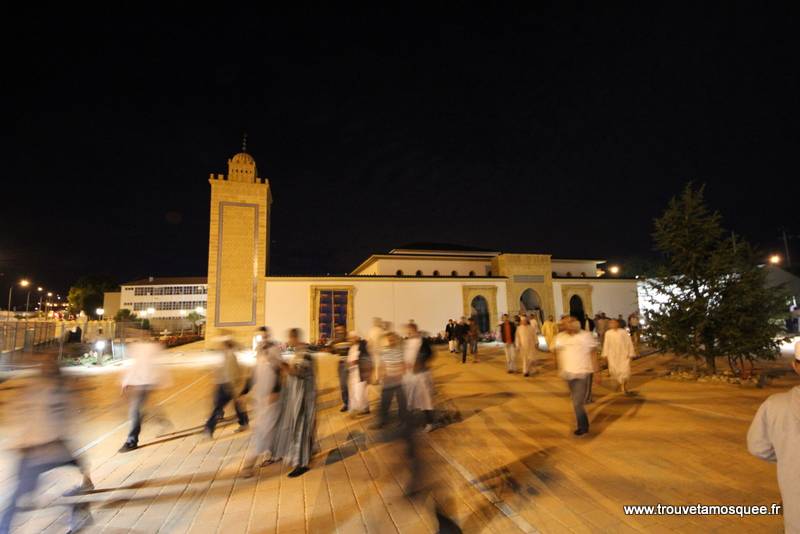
100, 312
775, 259
614, 269
200, 310
22, 283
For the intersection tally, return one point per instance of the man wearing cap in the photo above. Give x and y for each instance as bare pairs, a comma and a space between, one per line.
774, 436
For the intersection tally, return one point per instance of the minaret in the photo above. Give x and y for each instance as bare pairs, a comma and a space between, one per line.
238, 249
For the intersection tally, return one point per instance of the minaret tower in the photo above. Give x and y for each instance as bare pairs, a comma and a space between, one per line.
238, 249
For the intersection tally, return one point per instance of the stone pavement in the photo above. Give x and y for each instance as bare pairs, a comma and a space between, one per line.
504, 462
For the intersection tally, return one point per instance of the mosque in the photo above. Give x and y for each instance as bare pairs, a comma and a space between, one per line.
426, 282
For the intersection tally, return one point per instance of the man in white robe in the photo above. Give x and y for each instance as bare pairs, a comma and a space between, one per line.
356, 383
374, 345
774, 436
618, 350
526, 339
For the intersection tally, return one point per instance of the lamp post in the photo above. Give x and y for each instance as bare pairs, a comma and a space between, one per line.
100, 312
40, 289
22, 283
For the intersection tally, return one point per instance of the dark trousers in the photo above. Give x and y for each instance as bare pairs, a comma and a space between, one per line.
138, 398
343, 383
223, 396
387, 394
577, 392
473, 346
463, 344
31, 467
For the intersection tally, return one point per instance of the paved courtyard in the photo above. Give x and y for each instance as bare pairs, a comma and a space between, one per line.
504, 462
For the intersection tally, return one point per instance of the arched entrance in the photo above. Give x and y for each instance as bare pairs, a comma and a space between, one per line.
576, 309
480, 312
529, 302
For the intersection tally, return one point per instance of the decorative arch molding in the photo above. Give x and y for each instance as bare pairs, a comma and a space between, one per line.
487, 292
584, 291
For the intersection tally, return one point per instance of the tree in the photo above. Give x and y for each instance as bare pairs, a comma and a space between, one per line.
86, 294
711, 292
124, 314
196, 319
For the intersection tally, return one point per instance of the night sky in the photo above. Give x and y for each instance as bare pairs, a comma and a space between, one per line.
552, 131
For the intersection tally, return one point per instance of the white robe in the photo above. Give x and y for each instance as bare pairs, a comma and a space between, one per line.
267, 409
774, 436
357, 389
618, 350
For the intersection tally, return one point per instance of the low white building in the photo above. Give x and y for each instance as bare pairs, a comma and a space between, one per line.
165, 298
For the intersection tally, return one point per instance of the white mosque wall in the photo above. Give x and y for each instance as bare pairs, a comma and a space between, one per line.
429, 302
609, 295
409, 266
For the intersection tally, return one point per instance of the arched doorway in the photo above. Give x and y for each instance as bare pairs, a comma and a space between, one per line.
529, 302
480, 312
576, 309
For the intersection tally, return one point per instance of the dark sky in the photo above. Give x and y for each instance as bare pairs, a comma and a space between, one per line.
554, 130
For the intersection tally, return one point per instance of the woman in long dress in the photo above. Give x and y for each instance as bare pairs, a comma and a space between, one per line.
295, 438
266, 391
618, 350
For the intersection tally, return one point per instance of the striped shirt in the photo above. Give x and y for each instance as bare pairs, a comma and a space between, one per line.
393, 363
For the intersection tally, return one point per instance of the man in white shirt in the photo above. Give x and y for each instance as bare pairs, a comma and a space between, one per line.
774, 436
143, 376
574, 350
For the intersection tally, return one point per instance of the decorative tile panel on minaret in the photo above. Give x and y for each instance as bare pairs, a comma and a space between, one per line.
238, 250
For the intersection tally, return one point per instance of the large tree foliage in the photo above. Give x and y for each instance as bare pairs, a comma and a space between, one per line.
712, 296
86, 294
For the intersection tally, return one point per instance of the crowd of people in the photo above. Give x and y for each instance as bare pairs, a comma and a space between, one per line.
282, 388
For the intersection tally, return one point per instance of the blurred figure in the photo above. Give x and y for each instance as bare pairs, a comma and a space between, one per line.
549, 331
450, 335
526, 338
43, 441
574, 348
228, 377
773, 436
359, 368
474, 334
393, 367
621, 321
633, 326
508, 333
296, 432
266, 391
462, 337
618, 350
143, 376
339, 346
418, 381
374, 340
601, 325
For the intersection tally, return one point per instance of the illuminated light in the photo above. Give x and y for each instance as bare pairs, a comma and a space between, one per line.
775, 259
99, 311
24, 283
49, 294
614, 269
39, 289
100, 344
151, 311
200, 309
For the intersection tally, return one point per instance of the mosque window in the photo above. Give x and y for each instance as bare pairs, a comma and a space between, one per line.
472, 273
453, 273
435, 273
419, 273
583, 275
399, 272
489, 272
554, 274
569, 274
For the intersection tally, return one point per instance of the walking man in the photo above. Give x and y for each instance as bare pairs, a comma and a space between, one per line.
462, 338
143, 376
393, 367
228, 376
374, 340
508, 332
450, 335
618, 350
473, 336
525, 343
774, 436
574, 348
549, 331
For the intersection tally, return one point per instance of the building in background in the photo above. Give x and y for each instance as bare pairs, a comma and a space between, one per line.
165, 301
